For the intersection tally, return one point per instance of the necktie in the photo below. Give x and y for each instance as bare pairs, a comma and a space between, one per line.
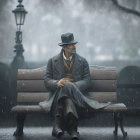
68, 62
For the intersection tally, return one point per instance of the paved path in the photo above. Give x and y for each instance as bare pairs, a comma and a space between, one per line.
86, 133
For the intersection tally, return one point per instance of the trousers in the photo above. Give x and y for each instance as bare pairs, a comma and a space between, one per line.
69, 91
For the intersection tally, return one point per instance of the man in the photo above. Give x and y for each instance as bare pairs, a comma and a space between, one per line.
68, 79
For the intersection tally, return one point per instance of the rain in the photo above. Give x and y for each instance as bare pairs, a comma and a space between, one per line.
108, 34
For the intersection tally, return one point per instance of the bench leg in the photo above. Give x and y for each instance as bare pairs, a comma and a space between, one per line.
121, 124
115, 116
118, 118
20, 118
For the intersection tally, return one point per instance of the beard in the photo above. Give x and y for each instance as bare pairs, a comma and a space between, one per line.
71, 51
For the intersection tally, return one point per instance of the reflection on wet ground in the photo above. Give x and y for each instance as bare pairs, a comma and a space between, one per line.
86, 133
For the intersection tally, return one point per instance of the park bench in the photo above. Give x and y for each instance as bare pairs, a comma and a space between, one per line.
31, 90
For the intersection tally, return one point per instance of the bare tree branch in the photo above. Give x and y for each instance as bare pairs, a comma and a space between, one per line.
126, 9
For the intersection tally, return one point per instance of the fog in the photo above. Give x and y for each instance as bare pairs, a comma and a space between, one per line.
103, 30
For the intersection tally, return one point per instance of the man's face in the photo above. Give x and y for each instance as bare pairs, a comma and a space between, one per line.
70, 48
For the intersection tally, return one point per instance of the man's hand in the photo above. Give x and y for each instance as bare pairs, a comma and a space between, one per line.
63, 81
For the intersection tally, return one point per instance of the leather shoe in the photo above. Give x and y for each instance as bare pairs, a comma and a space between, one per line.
57, 132
18, 133
74, 135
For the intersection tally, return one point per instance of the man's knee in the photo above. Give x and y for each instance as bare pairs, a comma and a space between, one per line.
69, 84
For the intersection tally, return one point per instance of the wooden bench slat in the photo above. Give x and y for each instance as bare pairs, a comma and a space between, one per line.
31, 74
35, 97
103, 73
38, 85
97, 73
27, 97
27, 108
104, 96
115, 107
103, 85
37, 108
31, 85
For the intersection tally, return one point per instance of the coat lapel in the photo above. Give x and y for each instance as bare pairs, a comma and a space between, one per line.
76, 64
59, 65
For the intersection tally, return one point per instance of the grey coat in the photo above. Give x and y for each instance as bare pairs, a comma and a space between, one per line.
80, 71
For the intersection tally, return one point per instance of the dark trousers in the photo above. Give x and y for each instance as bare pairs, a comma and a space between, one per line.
69, 91
66, 111
66, 101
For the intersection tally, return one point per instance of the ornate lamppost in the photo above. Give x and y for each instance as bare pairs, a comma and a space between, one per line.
20, 13
18, 61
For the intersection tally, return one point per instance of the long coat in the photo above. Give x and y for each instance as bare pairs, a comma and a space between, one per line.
80, 70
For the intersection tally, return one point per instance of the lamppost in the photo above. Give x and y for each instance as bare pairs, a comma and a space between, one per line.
18, 61
20, 13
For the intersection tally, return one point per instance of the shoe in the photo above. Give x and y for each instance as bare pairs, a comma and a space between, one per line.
18, 133
57, 132
74, 135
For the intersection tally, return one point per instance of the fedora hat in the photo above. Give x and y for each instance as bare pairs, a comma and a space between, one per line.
67, 39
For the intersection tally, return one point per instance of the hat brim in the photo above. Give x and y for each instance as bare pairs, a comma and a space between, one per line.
62, 44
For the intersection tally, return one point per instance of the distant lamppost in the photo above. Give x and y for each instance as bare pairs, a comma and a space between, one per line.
20, 14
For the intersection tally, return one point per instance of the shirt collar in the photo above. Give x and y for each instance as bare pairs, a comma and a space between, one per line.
70, 58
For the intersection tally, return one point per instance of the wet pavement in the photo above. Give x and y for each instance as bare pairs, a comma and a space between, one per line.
86, 133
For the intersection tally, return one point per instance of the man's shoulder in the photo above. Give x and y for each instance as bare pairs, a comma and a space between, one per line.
55, 58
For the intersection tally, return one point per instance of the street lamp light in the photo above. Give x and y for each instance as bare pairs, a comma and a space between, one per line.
20, 14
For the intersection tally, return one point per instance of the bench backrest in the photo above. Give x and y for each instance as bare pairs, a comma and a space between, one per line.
31, 88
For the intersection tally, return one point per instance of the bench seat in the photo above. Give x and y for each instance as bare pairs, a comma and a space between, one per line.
37, 108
